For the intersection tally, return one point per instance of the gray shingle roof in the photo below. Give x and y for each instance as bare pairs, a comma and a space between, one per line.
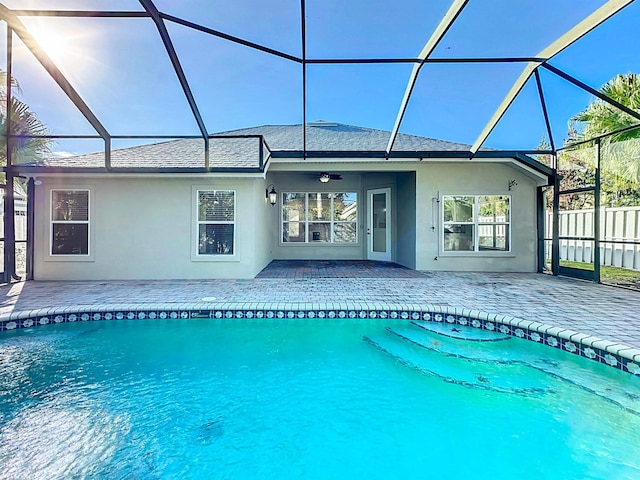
184, 153
326, 136
244, 152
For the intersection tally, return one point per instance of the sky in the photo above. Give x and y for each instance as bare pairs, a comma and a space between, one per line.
120, 67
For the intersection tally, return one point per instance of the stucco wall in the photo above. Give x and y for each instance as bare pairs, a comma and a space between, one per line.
145, 229
262, 227
406, 219
434, 180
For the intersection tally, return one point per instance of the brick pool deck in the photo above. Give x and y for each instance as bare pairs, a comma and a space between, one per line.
609, 313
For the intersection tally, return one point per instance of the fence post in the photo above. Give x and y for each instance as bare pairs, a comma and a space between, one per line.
596, 219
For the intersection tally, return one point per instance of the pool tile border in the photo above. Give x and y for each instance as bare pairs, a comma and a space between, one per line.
615, 355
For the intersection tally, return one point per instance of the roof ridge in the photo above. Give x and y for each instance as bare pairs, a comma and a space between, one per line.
338, 124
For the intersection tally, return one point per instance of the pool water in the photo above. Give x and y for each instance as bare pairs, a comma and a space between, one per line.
302, 399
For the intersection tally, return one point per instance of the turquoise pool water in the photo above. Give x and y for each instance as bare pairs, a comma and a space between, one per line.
368, 399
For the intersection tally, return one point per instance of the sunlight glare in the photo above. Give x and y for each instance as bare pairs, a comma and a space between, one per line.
66, 47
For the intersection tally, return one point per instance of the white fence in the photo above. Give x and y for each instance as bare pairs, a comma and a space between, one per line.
20, 207
616, 224
20, 232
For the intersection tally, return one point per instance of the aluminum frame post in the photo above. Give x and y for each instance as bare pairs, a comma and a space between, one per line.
555, 242
31, 224
541, 217
596, 217
8, 213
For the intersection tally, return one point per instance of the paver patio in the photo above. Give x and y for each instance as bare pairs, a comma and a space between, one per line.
607, 312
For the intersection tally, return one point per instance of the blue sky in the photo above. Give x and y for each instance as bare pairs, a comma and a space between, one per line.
120, 68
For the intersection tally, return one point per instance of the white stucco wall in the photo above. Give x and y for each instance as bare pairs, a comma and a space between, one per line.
474, 178
144, 228
405, 252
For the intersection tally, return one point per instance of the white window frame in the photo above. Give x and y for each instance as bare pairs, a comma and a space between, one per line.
332, 222
52, 221
476, 226
196, 255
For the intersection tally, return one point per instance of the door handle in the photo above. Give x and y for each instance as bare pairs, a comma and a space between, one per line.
368, 231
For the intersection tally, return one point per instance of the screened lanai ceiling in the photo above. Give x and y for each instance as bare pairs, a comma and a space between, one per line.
499, 74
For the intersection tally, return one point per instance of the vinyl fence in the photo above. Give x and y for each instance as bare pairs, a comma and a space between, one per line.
20, 232
617, 224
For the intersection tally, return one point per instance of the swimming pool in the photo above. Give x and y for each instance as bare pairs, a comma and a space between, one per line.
307, 398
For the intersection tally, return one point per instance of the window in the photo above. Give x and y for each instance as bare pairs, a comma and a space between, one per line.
476, 223
319, 217
69, 222
216, 222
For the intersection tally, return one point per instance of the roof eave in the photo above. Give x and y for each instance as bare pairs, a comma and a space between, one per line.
34, 170
418, 154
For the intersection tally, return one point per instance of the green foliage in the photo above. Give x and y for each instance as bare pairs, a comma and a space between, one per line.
619, 154
600, 118
22, 122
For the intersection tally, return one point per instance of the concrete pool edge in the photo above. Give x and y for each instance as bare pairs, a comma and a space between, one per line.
616, 355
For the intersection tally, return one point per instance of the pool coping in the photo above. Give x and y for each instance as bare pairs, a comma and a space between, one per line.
616, 355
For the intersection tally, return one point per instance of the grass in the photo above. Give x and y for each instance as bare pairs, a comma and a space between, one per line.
611, 275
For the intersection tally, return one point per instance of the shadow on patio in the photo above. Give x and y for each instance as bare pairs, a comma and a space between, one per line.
336, 269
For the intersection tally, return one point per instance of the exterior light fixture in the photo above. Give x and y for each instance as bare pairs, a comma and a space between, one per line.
272, 195
324, 177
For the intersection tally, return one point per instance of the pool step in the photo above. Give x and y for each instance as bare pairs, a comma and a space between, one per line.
453, 347
595, 379
462, 332
513, 378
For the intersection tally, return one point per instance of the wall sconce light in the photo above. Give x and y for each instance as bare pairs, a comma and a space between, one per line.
324, 177
272, 195
512, 183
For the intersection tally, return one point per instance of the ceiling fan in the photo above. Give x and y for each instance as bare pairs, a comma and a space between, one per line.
324, 177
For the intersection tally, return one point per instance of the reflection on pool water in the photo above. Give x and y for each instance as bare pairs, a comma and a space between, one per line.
212, 398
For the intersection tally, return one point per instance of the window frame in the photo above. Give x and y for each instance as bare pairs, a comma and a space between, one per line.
88, 222
195, 254
476, 227
332, 222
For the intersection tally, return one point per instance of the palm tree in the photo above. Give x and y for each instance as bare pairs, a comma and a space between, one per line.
620, 152
23, 122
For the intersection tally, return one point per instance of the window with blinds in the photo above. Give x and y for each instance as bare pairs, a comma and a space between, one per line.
69, 222
216, 222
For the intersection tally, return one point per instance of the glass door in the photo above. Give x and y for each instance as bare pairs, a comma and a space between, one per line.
379, 224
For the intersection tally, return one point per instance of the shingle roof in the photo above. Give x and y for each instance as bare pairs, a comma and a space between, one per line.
234, 152
183, 153
327, 136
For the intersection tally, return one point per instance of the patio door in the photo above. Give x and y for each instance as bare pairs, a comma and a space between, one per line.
379, 224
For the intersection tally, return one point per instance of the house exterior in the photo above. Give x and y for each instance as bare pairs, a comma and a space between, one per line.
160, 212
